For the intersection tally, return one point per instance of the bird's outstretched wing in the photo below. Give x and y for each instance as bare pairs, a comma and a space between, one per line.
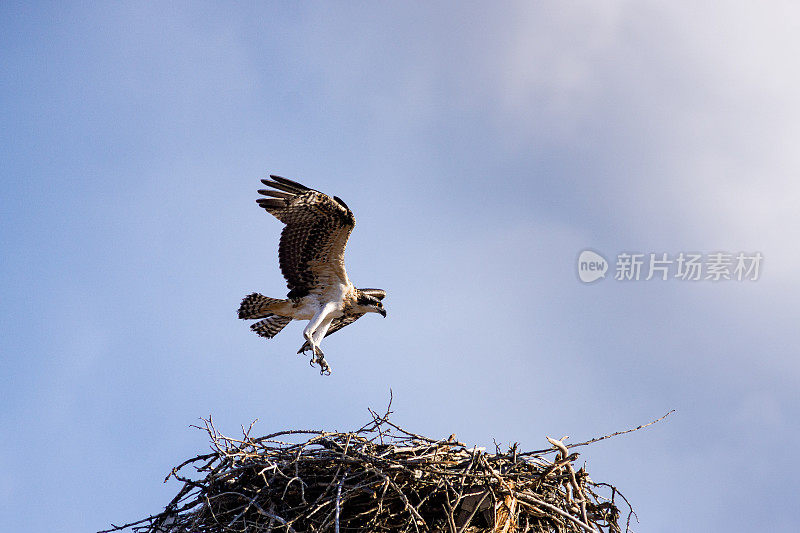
336, 325
380, 294
311, 250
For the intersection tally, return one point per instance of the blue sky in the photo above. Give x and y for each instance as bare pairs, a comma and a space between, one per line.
481, 149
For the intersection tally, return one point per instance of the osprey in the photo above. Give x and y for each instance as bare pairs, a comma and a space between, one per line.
311, 255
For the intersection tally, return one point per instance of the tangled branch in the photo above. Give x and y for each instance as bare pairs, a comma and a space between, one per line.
380, 478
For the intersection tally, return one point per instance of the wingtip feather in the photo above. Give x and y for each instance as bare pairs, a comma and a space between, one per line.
283, 187
267, 203
341, 202
290, 183
380, 294
275, 194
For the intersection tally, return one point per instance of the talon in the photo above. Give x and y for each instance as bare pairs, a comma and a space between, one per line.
324, 367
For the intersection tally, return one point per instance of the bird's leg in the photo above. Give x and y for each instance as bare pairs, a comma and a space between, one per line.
320, 321
305, 348
316, 321
317, 336
319, 358
308, 333
316, 353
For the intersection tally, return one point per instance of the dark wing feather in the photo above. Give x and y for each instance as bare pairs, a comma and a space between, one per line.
311, 250
380, 294
336, 325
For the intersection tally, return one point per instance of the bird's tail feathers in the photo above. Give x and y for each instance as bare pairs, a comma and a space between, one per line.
257, 306
271, 326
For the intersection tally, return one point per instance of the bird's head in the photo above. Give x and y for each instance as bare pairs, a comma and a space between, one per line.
369, 301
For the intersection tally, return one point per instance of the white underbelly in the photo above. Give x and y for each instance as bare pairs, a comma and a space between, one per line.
305, 309
311, 304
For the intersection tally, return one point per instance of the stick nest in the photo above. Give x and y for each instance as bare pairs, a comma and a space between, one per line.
381, 478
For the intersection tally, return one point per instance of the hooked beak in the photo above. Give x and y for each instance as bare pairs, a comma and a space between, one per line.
382, 312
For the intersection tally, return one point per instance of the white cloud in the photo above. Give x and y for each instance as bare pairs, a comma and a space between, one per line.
703, 99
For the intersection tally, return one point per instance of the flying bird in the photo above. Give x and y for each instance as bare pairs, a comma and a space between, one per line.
311, 257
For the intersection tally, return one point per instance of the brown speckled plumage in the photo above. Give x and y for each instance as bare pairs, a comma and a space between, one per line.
311, 250
311, 258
